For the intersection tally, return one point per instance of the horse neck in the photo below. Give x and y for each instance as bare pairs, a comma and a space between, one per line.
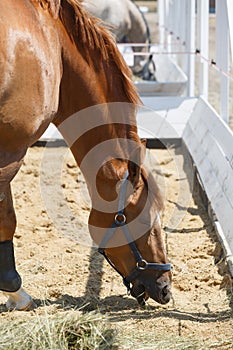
101, 139
97, 98
87, 83
93, 103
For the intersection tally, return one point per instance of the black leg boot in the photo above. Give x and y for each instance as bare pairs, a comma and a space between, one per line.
10, 280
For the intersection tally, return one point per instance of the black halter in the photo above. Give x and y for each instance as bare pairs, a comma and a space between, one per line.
120, 221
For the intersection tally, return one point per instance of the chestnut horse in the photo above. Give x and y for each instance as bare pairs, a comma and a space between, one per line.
59, 65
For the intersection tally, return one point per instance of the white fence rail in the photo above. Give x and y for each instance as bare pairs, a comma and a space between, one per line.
210, 143
178, 22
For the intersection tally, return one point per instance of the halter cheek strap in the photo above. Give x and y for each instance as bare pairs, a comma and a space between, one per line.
120, 221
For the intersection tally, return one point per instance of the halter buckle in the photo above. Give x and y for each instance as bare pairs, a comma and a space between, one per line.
120, 219
141, 265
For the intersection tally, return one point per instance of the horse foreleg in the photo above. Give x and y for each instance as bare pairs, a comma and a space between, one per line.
10, 281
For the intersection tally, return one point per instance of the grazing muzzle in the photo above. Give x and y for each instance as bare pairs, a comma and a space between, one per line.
157, 288
139, 283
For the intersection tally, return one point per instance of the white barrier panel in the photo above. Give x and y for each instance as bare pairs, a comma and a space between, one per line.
210, 143
171, 80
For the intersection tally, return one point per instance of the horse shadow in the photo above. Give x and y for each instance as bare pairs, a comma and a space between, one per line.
118, 309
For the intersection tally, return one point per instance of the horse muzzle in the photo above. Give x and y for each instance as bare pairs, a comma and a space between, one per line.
145, 288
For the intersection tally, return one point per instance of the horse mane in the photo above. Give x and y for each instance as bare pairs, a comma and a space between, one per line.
53, 6
93, 34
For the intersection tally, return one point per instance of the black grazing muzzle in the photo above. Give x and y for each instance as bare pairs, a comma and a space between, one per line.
140, 287
149, 284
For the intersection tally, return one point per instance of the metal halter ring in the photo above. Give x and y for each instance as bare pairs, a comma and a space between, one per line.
120, 219
141, 265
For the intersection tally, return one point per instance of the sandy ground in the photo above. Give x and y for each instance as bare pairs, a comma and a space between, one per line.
60, 273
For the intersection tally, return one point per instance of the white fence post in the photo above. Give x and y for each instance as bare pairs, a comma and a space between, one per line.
183, 26
222, 55
190, 46
203, 45
230, 23
161, 20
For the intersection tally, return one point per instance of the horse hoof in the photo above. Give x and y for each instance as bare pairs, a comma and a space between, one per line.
11, 305
31, 306
20, 300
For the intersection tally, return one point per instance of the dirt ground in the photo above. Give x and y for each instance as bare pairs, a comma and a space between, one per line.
61, 273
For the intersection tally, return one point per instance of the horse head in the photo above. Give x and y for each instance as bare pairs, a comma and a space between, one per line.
130, 238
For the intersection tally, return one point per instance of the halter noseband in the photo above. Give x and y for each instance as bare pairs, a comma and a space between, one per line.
120, 221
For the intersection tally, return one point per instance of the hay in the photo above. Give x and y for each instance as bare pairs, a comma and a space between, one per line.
69, 330
164, 342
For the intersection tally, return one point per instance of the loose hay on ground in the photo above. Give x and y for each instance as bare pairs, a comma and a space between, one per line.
60, 331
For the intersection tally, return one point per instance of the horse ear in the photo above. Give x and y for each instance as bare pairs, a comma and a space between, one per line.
135, 163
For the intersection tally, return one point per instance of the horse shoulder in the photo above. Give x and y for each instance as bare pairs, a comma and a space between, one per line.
30, 70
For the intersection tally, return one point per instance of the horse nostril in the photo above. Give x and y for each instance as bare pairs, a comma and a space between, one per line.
165, 291
165, 294
138, 292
